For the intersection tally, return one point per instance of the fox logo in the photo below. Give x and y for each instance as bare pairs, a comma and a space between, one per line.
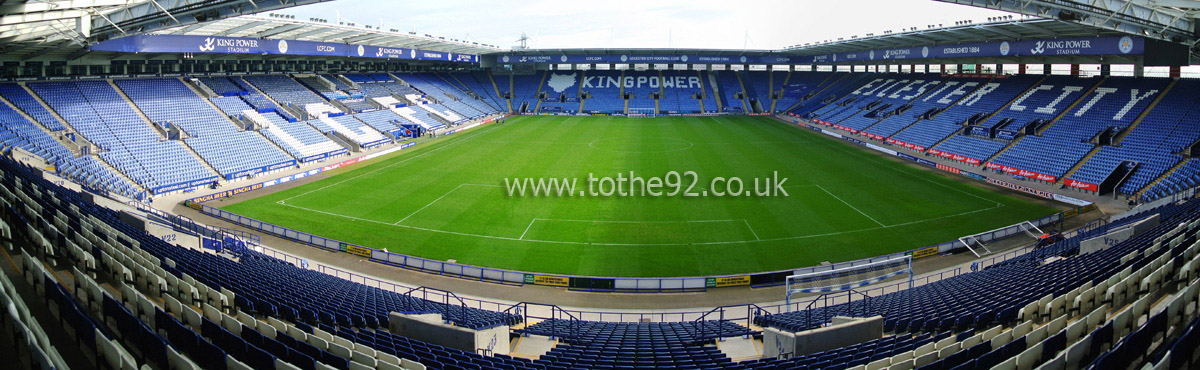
208, 45
1038, 48
561, 82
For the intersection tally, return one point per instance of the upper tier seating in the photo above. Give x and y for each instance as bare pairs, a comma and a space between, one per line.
969, 98
169, 100
639, 87
224, 86
1115, 103
297, 138
351, 128
382, 120
129, 144
28, 104
679, 89
730, 85
1154, 143
872, 106
212, 136
831, 90
284, 89
605, 89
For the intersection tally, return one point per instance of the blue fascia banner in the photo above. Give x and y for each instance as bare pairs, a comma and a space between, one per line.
652, 59
1109, 45
245, 45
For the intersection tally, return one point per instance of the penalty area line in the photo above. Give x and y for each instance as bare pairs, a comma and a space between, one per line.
851, 206
439, 198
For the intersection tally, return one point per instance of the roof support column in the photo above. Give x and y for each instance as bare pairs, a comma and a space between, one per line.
1021, 68
1139, 69
1074, 70
1106, 70
1175, 71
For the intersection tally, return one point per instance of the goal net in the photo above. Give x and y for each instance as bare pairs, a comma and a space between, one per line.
641, 112
841, 278
977, 243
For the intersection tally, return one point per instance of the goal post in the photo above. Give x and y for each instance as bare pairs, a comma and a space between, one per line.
641, 112
844, 278
976, 244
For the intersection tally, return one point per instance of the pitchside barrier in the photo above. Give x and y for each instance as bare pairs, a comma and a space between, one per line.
587, 283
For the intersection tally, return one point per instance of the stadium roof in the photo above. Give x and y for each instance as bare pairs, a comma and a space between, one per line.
1167, 20
61, 30
999, 30
279, 26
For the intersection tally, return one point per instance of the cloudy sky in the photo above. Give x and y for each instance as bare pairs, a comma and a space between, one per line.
721, 24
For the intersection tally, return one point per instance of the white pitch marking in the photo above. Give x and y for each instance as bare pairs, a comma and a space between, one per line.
641, 244
751, 229
527, 228
856, 153
851, 206
638, 222
446, 145
440, 198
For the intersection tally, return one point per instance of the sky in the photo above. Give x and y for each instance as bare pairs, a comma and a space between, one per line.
709, 24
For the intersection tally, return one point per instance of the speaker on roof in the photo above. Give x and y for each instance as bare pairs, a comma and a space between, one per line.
1068, 16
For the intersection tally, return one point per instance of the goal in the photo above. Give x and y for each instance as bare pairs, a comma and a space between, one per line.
977, 243
842, 278
641, 112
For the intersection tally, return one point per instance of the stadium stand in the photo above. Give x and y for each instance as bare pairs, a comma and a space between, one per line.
524, 89
297, 138
839, 85
1114, 103
351, 128
640, 87
132, 146
481, 83
452, 102
888, 102
730, 87
604, 92
217, 140
285, 90
944, 110
21, 99
1154, 143
192, 307
679, 90
384, 121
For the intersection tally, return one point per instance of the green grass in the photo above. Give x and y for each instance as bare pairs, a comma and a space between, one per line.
446, 200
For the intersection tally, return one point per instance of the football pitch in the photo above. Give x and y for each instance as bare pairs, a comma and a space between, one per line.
448, 200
